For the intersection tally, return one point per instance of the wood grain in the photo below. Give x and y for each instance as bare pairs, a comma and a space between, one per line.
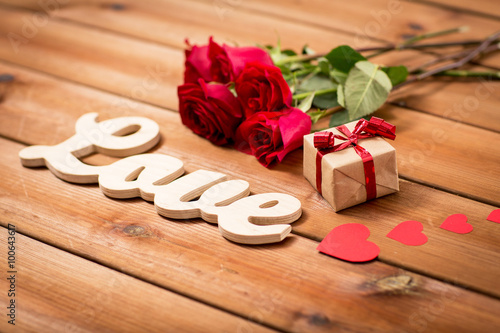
190, 258
172, 22
132, 68
463, 101
384, 20
59, 292
427, 152
489, 8
126, 58
358, 20
35, 97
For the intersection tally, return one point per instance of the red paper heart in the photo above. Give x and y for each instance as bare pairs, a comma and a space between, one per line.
457, 223
494, 216
348, 242
409, 233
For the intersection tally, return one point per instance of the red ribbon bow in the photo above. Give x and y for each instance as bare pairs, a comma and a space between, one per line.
325, 143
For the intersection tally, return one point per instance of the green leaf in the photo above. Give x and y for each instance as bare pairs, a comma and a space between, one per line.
275, 54
326, 101
324, 66
306, 103
315, 116
340, 95
339, 118
289, 53
366, 89
285, 70
396, 74
307, 50
338, 76
316, 82
343, 58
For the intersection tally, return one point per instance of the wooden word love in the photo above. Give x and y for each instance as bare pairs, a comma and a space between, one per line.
256, 219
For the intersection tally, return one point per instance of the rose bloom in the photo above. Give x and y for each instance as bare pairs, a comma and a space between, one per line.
209, 110
197, 64
271, 135
262, 87
228, 62
217, 63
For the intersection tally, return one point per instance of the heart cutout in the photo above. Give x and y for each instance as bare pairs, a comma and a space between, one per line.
494, 216
409, 233
457, 223
349, 242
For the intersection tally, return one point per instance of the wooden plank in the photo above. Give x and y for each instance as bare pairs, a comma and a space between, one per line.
191, 258
147, 76
56, 291
30, 108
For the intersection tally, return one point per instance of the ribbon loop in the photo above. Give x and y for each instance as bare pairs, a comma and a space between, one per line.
323, 140
380, 127
325, 143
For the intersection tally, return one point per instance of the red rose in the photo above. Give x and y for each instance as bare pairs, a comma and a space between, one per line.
197, 64
217, 63
269, 136
262, 87
228, 62
209, 110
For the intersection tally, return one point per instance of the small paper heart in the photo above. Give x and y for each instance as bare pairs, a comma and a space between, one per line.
457, 223
349, 242
409, 233
494, 216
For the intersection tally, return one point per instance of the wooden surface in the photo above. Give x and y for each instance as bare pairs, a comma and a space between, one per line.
90, 263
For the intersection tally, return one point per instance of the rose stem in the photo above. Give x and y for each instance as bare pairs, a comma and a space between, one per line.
460, 54
401, 46
464, 73
411, 41
483, 46
432, 35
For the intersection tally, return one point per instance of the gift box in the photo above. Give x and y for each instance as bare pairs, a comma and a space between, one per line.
352, 163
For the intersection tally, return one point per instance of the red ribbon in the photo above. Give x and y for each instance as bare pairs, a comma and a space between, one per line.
325, 143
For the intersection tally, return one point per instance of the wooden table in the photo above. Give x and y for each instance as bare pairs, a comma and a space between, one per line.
85, 262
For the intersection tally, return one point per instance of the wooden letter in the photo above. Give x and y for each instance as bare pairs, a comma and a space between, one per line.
104, 137
249, 220
139, 176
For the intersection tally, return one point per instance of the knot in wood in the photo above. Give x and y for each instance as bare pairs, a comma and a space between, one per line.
135, 230
399, 283
117, 6
6, 77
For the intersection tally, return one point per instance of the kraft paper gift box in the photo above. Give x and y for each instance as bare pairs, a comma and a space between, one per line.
342, 179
